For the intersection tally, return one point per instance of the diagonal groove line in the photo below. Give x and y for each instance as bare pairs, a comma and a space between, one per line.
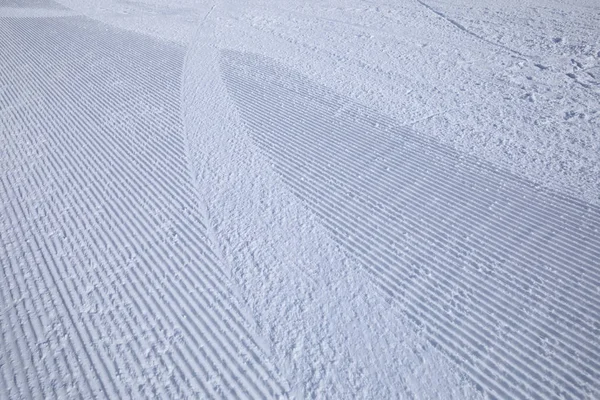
393, 235
504, 248
369, 186
340, 181
527, 206
533, 250
468, 32
371, 244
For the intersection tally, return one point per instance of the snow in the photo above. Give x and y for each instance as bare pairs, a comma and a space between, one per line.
252, 199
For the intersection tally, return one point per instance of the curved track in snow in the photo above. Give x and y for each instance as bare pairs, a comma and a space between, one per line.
149, 189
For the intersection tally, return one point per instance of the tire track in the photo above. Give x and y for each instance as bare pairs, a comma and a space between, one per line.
502, 274
96, 188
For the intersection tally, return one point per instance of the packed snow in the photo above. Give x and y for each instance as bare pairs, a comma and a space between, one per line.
278, 199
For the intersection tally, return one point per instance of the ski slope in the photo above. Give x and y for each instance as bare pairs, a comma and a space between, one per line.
299, 200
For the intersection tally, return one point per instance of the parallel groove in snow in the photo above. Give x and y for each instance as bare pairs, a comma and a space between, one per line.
98, 206
589, 293
394, 235
515, 305
589, 298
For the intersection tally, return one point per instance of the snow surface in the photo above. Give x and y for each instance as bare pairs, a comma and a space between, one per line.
326, 199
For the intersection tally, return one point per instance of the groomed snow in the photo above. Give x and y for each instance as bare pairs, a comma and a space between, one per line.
326, 199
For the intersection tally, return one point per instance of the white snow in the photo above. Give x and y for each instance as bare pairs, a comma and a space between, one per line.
325, 199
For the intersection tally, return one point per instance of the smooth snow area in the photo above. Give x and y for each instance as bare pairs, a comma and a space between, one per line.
327, 199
